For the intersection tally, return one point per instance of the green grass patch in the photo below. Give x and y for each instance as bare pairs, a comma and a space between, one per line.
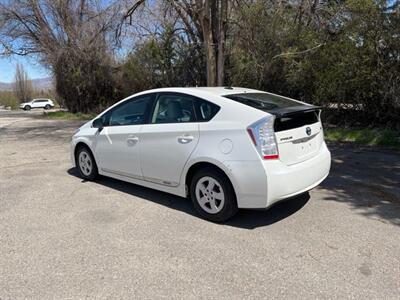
65, 115
370, 137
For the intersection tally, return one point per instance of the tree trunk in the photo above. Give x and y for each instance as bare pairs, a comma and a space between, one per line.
211, 58
223, 17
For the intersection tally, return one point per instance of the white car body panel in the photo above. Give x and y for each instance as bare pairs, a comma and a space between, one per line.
160, 162
117, 152
165, 149
37, 103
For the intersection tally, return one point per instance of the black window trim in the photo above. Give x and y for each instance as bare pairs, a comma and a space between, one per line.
150, 110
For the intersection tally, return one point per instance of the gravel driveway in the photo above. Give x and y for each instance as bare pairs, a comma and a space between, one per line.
62, 238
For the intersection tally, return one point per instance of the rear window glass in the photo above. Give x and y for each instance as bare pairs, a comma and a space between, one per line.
295, 121
263, 101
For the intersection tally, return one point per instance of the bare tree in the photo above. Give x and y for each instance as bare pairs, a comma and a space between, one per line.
206, 23
71, 37
22, 86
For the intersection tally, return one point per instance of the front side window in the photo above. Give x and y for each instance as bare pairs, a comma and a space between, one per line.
131, 112
173, 108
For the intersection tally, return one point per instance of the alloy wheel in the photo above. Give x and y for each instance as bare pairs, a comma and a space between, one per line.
85, 163
210, 195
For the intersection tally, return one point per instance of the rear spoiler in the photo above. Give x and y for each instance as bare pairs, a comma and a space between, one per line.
287, 111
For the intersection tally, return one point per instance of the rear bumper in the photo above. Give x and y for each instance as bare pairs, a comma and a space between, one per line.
287, 181
261, 183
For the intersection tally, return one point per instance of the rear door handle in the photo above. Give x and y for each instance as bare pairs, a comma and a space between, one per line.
185, 139
132, 141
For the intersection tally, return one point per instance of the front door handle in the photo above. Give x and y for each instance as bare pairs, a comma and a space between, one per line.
185, 139
132, 141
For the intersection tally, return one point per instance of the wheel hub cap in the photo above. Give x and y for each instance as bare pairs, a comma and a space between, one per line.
85, 163
210, 195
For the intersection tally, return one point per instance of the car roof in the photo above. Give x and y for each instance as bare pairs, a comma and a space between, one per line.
219, 91
212, 91
223, 91
215, 95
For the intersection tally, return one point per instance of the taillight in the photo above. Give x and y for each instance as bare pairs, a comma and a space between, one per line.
263, 136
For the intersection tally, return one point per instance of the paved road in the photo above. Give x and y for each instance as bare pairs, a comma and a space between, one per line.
62, 238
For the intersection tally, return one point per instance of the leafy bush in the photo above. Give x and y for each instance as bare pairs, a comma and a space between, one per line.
8, 99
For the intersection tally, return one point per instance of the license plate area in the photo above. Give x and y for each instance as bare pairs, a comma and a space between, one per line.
305, 147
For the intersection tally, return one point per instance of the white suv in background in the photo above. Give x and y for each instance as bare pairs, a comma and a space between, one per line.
225, 148
37, 103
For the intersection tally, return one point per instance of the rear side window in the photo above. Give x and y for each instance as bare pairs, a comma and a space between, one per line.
173, 108
206, 110
263, 101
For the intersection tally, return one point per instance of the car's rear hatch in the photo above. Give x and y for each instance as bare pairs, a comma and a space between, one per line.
298, 130
298, 134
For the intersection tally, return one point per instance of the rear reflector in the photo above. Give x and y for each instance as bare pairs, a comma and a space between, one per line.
276, 156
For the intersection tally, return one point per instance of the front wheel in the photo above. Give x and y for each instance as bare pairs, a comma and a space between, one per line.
213, 195
27, 107
86, 164
47, 106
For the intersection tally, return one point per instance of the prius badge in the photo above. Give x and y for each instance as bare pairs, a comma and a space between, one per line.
308, 131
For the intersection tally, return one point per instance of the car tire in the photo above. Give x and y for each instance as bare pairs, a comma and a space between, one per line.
213, 195
86, 163
27, 107
47, 106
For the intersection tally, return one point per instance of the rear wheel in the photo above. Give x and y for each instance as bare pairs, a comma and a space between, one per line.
47, 106
86, 164
27, 107
213, 195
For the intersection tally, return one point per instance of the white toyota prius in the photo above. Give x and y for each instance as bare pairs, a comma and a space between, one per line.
225, 148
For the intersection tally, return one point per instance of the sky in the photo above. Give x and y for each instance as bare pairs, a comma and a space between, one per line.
8, 64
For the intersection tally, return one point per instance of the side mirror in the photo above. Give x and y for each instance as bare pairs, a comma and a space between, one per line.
98, 123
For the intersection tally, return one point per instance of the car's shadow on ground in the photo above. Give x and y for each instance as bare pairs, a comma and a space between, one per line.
247, 219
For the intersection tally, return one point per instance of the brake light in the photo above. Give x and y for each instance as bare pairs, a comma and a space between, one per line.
263, 136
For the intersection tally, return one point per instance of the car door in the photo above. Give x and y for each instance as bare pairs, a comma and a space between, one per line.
41, 103
35, 104
170, 137
116, 148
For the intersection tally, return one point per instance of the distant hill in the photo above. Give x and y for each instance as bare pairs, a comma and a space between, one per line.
38, 84
43, 83
5, 86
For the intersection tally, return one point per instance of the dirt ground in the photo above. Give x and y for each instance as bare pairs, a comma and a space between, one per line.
63, 238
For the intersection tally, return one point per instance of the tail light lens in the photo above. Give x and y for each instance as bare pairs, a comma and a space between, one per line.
263, 136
